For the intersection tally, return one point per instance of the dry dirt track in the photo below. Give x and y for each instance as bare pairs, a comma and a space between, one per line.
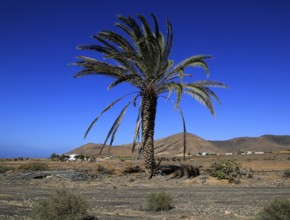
122, 197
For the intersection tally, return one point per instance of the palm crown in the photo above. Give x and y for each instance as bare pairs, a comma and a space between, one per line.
142, 59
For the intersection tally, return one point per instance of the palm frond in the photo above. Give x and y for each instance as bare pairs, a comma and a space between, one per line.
137, 130
152, 43
173, 87
115, 127
169, 40
211, 83
92, 66
111, 52
134, 79
157, 32
194, 61
184, 132
202, 98
146, 27
204, 86
132, 24
119, 40
134, 31
184, 126
135, 99
104, 42
178, 90
97, 48
105, 109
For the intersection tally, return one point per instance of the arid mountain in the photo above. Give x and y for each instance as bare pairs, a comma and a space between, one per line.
169, 146
279, 139
265, 143
173, 145
94, 149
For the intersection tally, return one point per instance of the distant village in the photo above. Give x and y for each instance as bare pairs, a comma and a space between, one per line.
228, 154
77, 157
80, 157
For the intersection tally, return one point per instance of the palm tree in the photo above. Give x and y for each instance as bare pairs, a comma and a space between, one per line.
141, 58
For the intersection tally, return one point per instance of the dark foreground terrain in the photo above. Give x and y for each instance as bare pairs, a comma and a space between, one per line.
122, 196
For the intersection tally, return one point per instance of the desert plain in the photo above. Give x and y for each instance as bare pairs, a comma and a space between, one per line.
117, 194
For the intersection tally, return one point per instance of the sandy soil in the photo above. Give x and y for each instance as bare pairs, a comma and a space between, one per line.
122, 196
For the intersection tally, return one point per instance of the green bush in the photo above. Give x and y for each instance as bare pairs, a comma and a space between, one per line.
61, 206
229, 170
287, 173
278, 209
158, 202
34, 166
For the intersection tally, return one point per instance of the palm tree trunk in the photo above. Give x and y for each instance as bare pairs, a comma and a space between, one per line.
149, 103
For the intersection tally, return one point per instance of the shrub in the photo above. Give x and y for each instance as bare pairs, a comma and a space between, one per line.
158, 202
92, 159
4, 169
61, 206
228, 169
277, 209
55, 157
103, 170
18, 159
132, 169
287, 173
34, 166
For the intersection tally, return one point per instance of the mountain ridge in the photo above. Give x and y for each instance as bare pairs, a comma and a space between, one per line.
173, 145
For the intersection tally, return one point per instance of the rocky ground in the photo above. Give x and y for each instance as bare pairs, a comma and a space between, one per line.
122, 196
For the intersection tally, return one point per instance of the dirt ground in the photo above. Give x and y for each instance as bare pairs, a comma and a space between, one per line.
122, 196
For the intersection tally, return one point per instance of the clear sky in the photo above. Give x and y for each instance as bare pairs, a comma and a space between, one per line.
44, 110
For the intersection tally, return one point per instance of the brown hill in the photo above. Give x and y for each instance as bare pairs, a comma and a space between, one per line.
94, 149
278, 139
266, 143
169, 146
173, 145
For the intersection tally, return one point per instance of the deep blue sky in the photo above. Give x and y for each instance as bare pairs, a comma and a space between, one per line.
44, 110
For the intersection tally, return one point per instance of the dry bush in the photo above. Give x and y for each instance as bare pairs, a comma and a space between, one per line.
286, 173
104, 170
278, 209
61, 206
34, 166
132, 169
161, 201
4, 169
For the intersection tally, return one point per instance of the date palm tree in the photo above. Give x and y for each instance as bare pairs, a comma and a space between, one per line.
141, 58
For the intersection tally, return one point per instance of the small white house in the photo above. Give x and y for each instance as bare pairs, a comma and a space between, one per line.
229, 154
205, 154
72, 157
259, 152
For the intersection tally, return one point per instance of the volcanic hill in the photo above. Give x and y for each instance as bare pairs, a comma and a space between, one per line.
173, 146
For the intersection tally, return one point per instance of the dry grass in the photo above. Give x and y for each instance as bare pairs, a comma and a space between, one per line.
267, 163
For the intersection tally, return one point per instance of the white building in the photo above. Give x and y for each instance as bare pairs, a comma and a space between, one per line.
72, 157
